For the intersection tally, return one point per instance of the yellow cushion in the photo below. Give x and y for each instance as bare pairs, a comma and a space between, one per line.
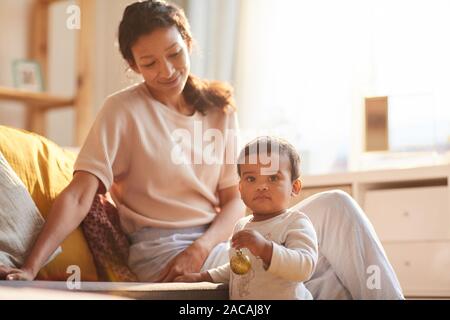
46, 170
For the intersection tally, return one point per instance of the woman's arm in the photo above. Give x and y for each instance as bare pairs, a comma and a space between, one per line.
68, 211
232, 209
192, 259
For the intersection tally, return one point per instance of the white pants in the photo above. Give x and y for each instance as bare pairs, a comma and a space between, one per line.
352, 263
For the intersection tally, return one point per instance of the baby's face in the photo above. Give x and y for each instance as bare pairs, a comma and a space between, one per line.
267, 191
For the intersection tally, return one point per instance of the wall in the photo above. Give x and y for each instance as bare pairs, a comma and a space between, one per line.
61, 73
15, 16
13, 45
110, 69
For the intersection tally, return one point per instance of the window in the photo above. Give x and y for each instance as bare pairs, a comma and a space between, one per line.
305, 67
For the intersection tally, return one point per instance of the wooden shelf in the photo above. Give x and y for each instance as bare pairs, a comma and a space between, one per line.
39, 100
38, 103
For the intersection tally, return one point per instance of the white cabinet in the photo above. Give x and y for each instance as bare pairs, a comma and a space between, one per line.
410, 211
423, 268
406, 214
414, 227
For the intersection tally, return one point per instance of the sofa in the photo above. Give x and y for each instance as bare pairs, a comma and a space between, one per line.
46, 169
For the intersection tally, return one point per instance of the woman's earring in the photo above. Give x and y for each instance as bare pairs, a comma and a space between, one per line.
129, 74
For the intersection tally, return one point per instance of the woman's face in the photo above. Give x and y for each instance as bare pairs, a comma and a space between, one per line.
162, 58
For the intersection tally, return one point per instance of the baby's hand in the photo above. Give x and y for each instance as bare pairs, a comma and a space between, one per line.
252, 240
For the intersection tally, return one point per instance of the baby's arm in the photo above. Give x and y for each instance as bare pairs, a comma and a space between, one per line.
296, 259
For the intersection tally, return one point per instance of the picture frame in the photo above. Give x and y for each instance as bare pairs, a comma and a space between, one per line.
376, 124
27, 75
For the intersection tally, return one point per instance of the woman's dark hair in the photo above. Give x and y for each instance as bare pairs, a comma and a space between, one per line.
141, 18
265, 145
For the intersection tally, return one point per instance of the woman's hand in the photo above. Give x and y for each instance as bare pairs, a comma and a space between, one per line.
194, 277
8, 273
255, 242
188, 261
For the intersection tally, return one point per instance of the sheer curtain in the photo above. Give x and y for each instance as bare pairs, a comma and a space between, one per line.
214, 24
304, 67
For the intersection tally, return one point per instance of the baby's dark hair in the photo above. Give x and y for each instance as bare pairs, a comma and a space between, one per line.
264, 145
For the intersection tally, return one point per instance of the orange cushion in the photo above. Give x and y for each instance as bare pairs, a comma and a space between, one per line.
46, 169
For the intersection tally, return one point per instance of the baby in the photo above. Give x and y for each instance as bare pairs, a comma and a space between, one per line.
275, 247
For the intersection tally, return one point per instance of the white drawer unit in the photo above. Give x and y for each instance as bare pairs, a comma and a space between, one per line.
423, 268
410, 211
411, 214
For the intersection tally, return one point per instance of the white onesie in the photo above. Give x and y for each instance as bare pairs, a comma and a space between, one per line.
294, 258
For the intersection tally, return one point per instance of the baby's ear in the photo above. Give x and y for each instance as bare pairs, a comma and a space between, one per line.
296, 187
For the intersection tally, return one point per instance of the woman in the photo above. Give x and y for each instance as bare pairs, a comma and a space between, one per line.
179, 212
